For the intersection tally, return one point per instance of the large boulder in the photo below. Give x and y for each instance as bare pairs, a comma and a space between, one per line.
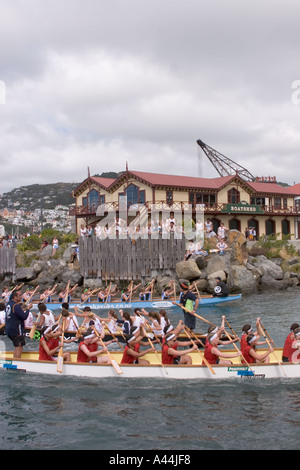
269, 284
238, 247
188, 269
266, 267
217, 263
25, 274
241, 279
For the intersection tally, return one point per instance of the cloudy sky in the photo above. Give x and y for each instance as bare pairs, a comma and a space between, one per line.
96, 83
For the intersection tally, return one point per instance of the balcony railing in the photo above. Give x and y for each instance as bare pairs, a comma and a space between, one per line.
85, 210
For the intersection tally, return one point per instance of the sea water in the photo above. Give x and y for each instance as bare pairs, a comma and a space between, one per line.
118, 414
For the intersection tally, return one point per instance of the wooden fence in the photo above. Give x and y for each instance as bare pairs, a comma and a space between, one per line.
127, 259
7, 261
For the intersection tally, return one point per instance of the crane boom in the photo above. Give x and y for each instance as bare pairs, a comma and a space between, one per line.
224, 165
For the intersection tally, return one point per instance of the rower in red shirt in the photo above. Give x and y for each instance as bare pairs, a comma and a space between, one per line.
286, 353
169, 353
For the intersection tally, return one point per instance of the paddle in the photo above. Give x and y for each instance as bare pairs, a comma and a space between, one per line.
270, 347
107, 295
60, 356
210, 323
196, 315
198, 350
67, 292
151, 344
111, 333
113, 361
33, 328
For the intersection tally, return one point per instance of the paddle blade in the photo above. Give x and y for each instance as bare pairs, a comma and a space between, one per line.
60, 361
32, 332
116, 367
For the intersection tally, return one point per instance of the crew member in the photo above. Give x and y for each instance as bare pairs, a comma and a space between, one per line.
221, 289
14, 322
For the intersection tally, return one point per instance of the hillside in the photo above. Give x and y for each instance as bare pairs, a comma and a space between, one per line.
36, 196
45, 196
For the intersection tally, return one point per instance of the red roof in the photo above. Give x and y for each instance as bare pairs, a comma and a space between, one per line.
106, 182
295, 189
156, 179
272, 188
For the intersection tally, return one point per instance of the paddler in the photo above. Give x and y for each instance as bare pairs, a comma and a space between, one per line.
88, 349
294, 354
132, 353
213, 355
190, 301
287, 349
170, 354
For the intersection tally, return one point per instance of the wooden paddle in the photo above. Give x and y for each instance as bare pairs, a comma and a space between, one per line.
33, 328
196, 315
60, 356
111, 333
113, 361
107, 295
67, 292
151, 344
198, 350
228, 336
264, 332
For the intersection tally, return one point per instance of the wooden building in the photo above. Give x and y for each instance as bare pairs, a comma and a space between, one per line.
266, 207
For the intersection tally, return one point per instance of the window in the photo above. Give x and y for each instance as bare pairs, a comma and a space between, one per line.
277, 202
134, 195
257, 201
233, 196
93, 198
285, 227
169, 197
202, 198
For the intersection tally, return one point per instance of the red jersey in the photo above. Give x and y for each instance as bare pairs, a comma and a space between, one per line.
246, 354
81, 356
209, 356
51, 343
165, 357
127, 358
287, 348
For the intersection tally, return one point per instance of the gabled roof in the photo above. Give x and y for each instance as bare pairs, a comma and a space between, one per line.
103, 183
155, 179
271, 188
295, 190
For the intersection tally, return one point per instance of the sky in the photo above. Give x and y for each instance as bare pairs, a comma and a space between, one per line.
96, 83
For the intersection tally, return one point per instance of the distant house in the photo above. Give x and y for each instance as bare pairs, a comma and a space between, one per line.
268, 208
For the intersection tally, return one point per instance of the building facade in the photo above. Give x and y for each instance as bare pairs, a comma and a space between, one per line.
266, 208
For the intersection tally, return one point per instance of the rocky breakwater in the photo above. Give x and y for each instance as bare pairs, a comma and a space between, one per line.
45, 270
245, 270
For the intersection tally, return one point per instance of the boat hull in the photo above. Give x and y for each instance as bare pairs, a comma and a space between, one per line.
30, 363
159, 304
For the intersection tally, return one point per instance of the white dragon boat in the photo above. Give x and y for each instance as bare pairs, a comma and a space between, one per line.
30, 363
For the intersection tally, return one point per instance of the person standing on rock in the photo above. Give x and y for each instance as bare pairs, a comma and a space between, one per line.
191, 302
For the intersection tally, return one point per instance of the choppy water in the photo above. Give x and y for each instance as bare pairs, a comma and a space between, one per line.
41, 412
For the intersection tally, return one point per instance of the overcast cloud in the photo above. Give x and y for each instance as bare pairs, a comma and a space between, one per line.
96, 83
